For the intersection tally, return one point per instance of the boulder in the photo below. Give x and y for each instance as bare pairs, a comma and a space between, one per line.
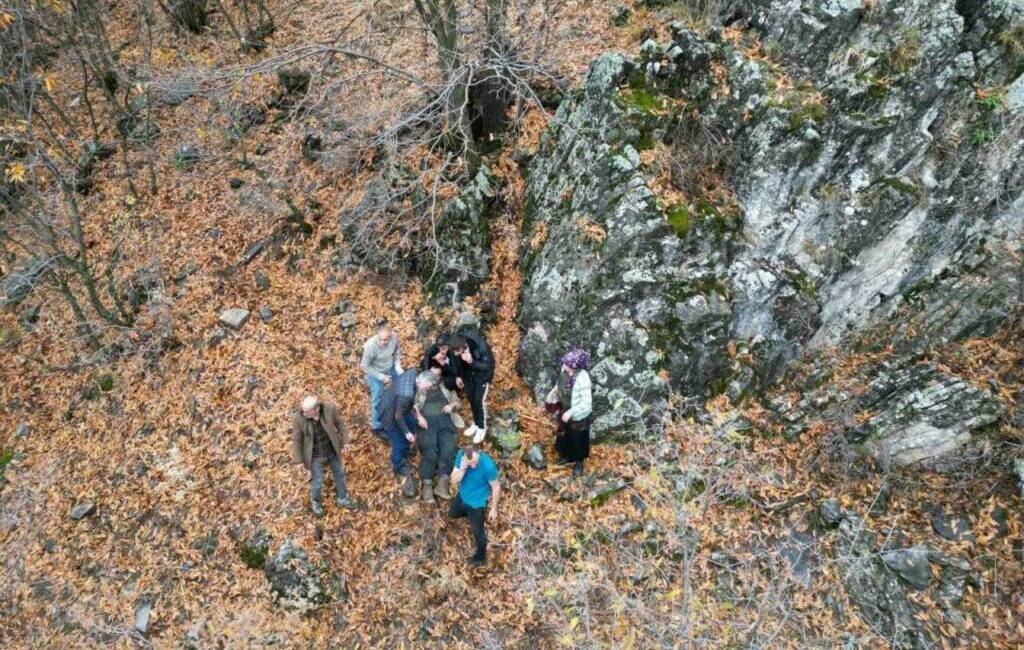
266, 313
830, 513
142, 614
955, 527
877, 592
82, 510
922, 415
534, 456
234, 318
503, 430
910, 564
297, 583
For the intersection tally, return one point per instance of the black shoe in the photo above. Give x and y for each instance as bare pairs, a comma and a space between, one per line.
477, 562
562, 462
577, 470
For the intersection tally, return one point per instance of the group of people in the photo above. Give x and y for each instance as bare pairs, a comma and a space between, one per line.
418, 409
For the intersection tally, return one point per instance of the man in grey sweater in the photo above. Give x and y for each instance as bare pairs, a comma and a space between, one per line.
382, 363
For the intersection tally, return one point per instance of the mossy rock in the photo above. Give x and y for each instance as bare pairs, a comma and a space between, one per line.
254, 556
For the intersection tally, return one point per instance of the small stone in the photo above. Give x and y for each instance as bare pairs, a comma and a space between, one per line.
219, 334
534, 457
50, 545
831, 513
29, 317
234, 318
621, 15
235, 183
22, 430
811, 135
262, 280
251, 252
910, 564
82, 510
266, 313
142, 612
348, 320
954, 527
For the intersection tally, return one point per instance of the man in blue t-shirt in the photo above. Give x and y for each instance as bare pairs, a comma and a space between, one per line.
476, 477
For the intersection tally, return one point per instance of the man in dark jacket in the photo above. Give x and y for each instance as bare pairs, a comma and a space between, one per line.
440, 353
474, 373
398, 420
318, 436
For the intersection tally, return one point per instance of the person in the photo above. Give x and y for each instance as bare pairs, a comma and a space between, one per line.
474, 373
398, 419
381, 363
441, 353
570, 400
318, 437
437, 415
476, 478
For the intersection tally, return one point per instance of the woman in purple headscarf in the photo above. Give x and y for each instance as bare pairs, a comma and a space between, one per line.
570, 401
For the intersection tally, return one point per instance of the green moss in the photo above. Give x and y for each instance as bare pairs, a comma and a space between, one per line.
901, 186
679, 218
5, 459
254, 556
642, 100
105, 382
810, 111
906, 55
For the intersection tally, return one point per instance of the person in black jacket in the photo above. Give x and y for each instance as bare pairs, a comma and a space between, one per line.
474, 373
441, 354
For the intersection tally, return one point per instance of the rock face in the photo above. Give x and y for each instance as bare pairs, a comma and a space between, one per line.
849, 178
922, 415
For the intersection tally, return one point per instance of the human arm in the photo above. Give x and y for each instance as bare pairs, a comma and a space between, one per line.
458, 470
398, 354
339, 426
296, 438
582, 401
492, 513
402, 406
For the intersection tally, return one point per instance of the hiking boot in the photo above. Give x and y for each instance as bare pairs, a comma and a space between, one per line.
408, 487
476, 561
562, 462
577, 470
441, 489
427, 492
318, 510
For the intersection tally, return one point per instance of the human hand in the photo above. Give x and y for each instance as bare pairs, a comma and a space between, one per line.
467, 356
492, 515
566, 417
463, 464
458, 382
411, 438
387, 380
447, 408
422, 421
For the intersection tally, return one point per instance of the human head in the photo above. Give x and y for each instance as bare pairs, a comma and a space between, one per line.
458, 343
310, 407
383, 330
443, 344
426, 380
576, 359
471, 455
434, 367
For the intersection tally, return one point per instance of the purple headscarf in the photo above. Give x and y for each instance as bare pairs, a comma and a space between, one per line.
577, 359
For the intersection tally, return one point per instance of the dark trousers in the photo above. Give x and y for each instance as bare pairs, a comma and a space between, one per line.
476, 517
437, 447
399, 445
476, 393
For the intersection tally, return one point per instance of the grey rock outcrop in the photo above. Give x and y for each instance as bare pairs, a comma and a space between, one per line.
297, 583
903, 205
922, 415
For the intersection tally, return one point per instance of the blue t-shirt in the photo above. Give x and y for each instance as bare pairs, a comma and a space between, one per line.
475, 487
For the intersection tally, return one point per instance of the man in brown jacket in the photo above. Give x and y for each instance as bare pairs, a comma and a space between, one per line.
318, 436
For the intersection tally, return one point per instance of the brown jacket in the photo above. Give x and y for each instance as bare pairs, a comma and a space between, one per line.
302, 433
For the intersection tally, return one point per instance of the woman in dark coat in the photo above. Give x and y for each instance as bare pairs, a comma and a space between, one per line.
570, 401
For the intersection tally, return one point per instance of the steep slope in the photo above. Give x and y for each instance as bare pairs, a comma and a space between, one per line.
728, 201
